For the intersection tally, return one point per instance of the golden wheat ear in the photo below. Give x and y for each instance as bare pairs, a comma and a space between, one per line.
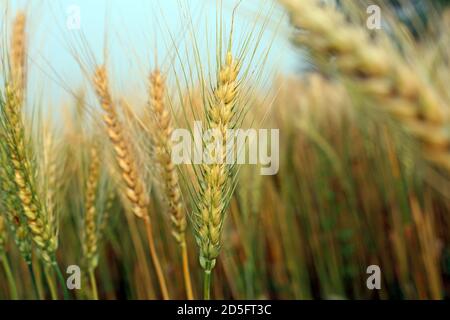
162, 130
135, 187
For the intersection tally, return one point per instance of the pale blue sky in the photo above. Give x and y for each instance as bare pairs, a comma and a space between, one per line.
134, 28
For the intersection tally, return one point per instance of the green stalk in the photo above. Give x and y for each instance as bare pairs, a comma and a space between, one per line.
33, 281
93, 284
61, 280
51, 284
9, 277
207, 285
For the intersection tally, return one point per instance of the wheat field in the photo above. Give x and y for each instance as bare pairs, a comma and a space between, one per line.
94, 205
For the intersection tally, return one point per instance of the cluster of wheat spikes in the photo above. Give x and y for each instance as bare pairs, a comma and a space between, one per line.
352, 190
378, 71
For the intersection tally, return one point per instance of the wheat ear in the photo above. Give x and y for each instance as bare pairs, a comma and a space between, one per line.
33, 209
90, 243
104, 219
135, 187
163, 146
51, 169
11, 208
18, 54
379, 71
216, 184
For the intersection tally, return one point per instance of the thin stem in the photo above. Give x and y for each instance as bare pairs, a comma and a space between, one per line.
61, 280
9, 276
33, 281
142, 257
93, 284
51, 284
207, 285
186, 272
155, 259
38, 270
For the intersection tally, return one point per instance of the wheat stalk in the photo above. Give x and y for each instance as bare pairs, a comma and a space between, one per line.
163, 146
135, 187
379, 71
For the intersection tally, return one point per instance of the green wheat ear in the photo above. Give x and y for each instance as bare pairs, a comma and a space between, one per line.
216, 185
12, 209
19, 163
